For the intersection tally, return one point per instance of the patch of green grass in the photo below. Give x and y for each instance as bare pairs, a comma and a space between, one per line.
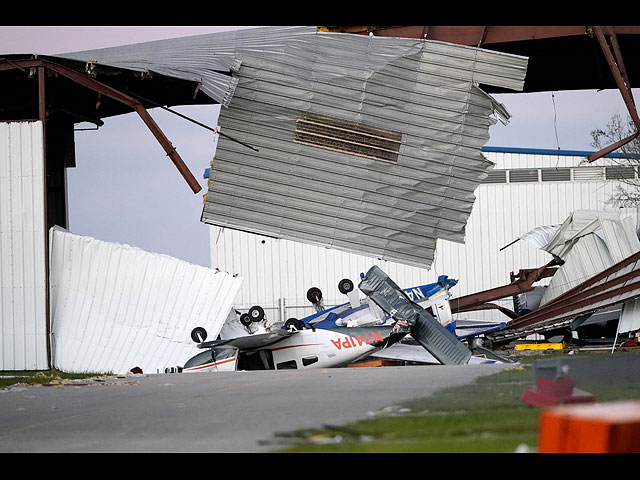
486, 416
29, 377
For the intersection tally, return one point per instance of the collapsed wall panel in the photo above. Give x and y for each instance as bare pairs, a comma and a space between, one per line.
115, 307
23, 286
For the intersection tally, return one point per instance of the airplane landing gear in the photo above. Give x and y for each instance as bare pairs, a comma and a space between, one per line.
345, 286
294, 324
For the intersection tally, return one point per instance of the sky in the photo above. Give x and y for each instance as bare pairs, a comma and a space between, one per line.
125, 189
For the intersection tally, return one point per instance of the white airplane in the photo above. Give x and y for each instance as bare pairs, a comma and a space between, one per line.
337, 336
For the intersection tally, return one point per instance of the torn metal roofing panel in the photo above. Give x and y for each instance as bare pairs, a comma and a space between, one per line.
367, 145
601, 254
615, 285
589, 242
579, 224
116, 307
209, 59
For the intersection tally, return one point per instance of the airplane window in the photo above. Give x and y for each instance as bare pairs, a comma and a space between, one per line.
290, 365
200, 359
309, 360
222, 353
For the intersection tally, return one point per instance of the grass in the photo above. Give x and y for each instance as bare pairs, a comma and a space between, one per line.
486, 416
28, 377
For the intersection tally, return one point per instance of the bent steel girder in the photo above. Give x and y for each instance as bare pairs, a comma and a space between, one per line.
119, 96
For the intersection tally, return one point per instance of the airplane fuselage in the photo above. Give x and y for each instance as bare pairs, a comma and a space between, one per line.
305, 349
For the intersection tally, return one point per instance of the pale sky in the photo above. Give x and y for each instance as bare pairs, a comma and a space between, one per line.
124, 189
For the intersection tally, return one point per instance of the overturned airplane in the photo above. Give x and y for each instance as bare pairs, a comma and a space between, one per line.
323, 341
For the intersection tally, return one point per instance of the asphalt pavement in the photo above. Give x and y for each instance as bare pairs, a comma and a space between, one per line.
209, 412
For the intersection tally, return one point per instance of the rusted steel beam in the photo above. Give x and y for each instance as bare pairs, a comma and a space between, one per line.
616, 65
587, 293
613, 147
483, 36
631, 259
623, 86
139, 109
605, 291
579, 308
489, 306
119, 96
42, 114
619, 60
469, 35
525, 284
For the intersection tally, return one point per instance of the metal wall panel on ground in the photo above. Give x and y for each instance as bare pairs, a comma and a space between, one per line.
116, 307
23, 321
503, 212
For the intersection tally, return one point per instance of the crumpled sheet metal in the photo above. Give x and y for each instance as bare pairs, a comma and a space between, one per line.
589, 242
208, 59
394, 211
426, 91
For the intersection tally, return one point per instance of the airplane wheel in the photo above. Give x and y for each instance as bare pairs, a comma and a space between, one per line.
295, 323
345, 286
198, 334
314, 295
245, 319
256, 313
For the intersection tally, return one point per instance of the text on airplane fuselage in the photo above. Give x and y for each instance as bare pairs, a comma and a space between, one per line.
358, 340
415, 293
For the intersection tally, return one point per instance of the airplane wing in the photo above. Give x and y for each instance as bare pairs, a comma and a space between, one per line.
407, 353
425, 329
467, 329
416, 353
251, 342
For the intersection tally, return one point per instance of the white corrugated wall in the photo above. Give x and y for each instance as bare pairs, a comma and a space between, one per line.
275, 269
23, 323
115, 307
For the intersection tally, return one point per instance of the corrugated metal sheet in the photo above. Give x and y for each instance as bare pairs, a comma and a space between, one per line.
503, 212
589, 242
630, 317
209, 59
115, 307
23, 339
421, 90
424, 91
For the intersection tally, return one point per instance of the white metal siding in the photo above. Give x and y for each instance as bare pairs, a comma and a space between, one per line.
275, 269
23, 341
115, 307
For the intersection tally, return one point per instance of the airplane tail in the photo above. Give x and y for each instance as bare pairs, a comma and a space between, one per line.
439, 341
424, 328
